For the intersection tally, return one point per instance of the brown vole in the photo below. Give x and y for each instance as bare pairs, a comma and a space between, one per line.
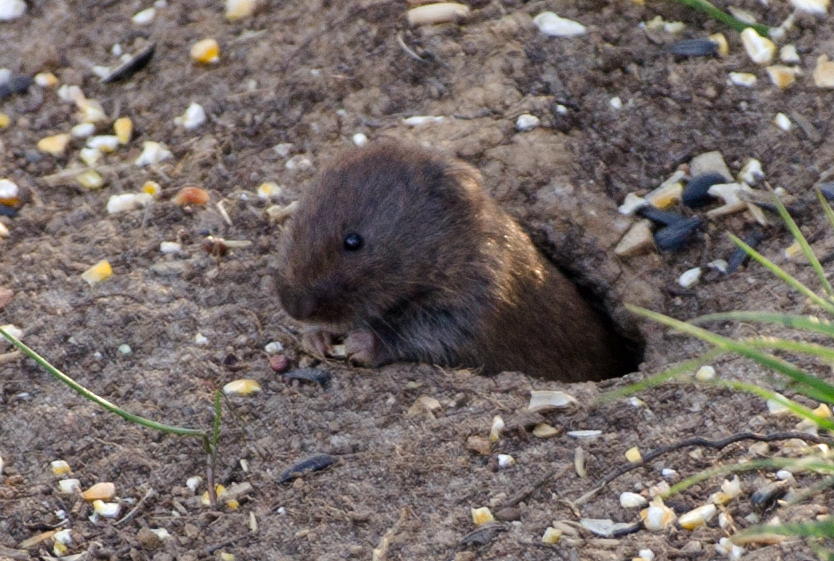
400, 247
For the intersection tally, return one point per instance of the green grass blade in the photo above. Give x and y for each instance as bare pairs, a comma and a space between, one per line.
824, 389
796, 408
785, 277
658, 379
804, 323
826, 207
819, 351
803, 243
716, 14
811, 529
87, 394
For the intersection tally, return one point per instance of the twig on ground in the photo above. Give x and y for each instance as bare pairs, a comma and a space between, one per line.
381, 551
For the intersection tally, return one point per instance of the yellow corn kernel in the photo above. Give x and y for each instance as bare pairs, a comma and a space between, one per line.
123, 128
206, 51
98, 272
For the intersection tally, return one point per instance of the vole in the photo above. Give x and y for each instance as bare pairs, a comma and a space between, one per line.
400, 247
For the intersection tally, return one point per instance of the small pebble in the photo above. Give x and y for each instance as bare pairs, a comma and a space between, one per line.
279, 363
299, 162
505, 461
637, 241
526, 122
616, 103
274, 347
144, 17
690, 277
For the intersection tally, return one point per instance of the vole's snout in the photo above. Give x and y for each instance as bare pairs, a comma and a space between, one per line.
299, 304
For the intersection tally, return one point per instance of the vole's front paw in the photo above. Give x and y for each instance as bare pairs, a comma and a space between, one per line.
317, 342
364, 348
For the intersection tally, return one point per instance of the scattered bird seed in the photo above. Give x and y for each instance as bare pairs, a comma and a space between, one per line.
505, 460
132, 65
759, 49
320, 377
816, 7
767, 496
359, 139
481, 515
242, 387
782, 76
633, 455
9, 192
83, 130
103, 491
781, 120
657, 517
551, 535
690, 277
194, 117
608, 528
420, 120
90, 179
239, 9
546, 400
526, 122
190, 196
789, 54
103, 143
823, 73
11, 9
697, 517
60, 467
496, 428
632, 500
696, 193
144, 17
126, 202
705, 373
308, 465
101, 271
579, 434
552, 25
123, 127
106, 510
442, 12
69, 486
721, 42
15, 85
152, 153
55, 145
206, 51
676, 236
694, 48
742, 79
660, 216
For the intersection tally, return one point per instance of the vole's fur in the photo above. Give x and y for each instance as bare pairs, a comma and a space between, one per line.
443, 275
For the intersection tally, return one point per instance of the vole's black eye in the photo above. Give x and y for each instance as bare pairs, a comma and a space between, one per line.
353, 242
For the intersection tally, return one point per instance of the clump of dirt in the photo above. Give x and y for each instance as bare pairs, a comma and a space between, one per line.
312, 75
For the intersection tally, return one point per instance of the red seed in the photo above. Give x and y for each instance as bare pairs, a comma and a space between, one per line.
191, 196
279, 363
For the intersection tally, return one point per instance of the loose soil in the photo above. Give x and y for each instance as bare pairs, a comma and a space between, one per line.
313, 74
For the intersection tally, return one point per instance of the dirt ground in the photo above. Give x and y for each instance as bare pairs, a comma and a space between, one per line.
313, 74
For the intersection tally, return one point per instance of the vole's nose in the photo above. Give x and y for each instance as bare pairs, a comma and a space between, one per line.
298, 304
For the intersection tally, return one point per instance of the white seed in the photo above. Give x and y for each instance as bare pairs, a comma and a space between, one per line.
69, 486
11, 9
200, 340
237, 9
8, 190
784, 475
153, 153
170, 247
496, 428
554, 26
274, 347
107, 510
298, 162
420, 120
697, 517
359, 139
89, 156
60, 467
751, 172
824, 72
161, 533
674, 26
5, 76
657, 517
144, 17
690, 277
441, 12
632, 500
584, 433
104, 143
116, 50
545, 400
544, 430
101, 71
668, 473
789, 54
781, 120
242, 387
616, 103
561, 110
705, 373
730, 489
816, 7
194, 482
526, 122
125, 349
719, 265
631, 203
646, 554
90, 111
726, 547
742, 79
63, 536
759, 49
505, 460
724, 521
128, 201
194, 117
83, 130
269, 190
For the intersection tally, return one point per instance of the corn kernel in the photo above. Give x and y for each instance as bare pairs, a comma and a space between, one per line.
206, 51
123, 128
481, 515
551, 535
60, 467
107, 510
721, 41
152, 188
55, 145
5, 121
46, 79
237, 9
633, 455
191, 196
103, 491
97, 273
90, 179
242, 387
218, 491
